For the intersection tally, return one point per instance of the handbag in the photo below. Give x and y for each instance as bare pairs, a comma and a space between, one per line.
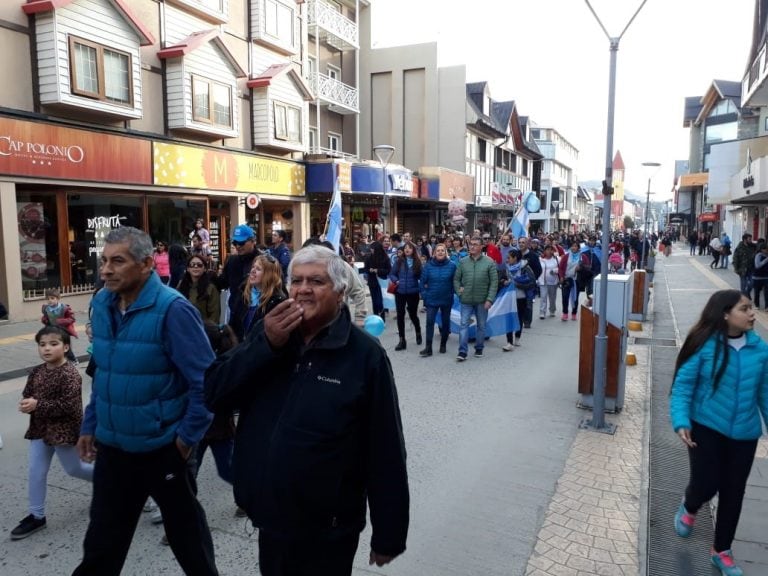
391, 287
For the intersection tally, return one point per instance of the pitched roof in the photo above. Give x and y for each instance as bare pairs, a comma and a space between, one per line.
145, 36
618, 161
719, 90
692, 108
197, 39
275, 71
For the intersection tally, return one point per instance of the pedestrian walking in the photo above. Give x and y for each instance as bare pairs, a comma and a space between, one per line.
715, 247
760, 275
260, 292
476, 282
377, 265
725, 250
548, 282
196, 286
146, 411
405, 273
53, 399
719, 393
437, 292
162, 262
568, 268
518, 272
744, 263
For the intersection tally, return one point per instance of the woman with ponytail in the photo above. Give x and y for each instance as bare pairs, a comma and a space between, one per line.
719, 392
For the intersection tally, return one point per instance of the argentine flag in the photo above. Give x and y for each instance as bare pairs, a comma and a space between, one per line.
387, 298
334, 218
502, 317
519, 224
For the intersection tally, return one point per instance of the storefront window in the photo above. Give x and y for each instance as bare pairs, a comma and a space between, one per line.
172, 220
38, 241
91, 217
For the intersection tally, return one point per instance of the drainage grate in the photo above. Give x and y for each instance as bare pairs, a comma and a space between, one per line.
655, 341
668, 554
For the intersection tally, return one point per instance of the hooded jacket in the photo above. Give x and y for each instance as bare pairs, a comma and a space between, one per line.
734, 408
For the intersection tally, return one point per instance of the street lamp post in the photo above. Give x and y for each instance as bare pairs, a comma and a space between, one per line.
597, 422
384, 153
651, 167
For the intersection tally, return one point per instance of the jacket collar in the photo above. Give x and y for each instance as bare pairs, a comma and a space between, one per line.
147, 296
335, 335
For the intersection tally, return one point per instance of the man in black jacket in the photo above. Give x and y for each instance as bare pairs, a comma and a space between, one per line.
319, 430
238, 266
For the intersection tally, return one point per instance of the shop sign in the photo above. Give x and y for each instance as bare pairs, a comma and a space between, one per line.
193, 167
401, 182
252, 201
48, 151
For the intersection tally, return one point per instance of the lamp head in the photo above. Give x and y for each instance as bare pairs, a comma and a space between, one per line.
384, 153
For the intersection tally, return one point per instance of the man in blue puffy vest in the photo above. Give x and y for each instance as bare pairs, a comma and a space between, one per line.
146, 411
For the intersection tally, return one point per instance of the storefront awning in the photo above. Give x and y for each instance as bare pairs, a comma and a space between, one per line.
697, 179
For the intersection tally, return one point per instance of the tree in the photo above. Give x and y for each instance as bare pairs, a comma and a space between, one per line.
628, 222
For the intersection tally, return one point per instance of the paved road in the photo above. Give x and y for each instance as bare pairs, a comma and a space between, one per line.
486, 439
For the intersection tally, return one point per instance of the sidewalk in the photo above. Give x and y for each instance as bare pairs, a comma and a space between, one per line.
18, 352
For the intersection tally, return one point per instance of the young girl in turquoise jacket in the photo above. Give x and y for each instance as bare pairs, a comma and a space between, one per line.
719, 393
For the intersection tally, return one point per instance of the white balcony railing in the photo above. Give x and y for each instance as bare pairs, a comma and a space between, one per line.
339, 97
331, 26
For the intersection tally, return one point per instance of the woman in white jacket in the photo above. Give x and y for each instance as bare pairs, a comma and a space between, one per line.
548, 282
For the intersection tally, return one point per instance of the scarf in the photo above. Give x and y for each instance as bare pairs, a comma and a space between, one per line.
255, 296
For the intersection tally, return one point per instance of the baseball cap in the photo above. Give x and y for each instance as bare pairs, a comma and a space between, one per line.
242, 233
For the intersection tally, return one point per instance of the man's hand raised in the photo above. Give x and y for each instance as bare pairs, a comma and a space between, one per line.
281, 321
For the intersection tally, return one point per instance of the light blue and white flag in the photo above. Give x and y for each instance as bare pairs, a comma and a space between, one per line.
519, 224
333, 234
387, 298
502, 317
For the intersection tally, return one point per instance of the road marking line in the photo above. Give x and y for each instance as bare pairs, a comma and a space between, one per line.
14, 339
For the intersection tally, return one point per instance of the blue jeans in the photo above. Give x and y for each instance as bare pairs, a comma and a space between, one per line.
445, 322
746, 284
481, 315
40, 456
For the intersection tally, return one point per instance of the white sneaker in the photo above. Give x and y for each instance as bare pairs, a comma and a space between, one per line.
507, 347
157, 517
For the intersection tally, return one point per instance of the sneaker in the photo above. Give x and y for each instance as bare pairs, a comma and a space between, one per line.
149, 505
542, 317
684, 522
564, 318
157, 517
478, 352
517, 341
507, 347
551, 314
27, 527
461, 356
723, 561
574, 317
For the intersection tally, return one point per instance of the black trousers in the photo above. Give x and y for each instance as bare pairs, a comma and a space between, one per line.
328, 554
411, 301
122, 481
719, 465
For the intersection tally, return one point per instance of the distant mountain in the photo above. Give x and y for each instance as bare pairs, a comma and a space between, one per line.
599, 184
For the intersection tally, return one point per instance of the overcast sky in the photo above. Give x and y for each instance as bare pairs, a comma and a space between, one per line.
552, 58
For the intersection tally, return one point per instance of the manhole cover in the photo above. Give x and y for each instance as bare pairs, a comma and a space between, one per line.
655, 341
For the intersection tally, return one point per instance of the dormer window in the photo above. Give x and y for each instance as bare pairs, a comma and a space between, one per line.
212, 102
278, 21
287, 122
100, 72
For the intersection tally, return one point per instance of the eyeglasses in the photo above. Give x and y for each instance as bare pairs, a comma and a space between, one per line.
196, 265
238, 243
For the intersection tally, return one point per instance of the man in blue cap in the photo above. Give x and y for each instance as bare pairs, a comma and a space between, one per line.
238, 265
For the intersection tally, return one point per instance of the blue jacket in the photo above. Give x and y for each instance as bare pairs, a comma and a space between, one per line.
742, 395
437, 282
282, 254
407, 280
140, 400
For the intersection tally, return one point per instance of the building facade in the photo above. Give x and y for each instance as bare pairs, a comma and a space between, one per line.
558, 180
